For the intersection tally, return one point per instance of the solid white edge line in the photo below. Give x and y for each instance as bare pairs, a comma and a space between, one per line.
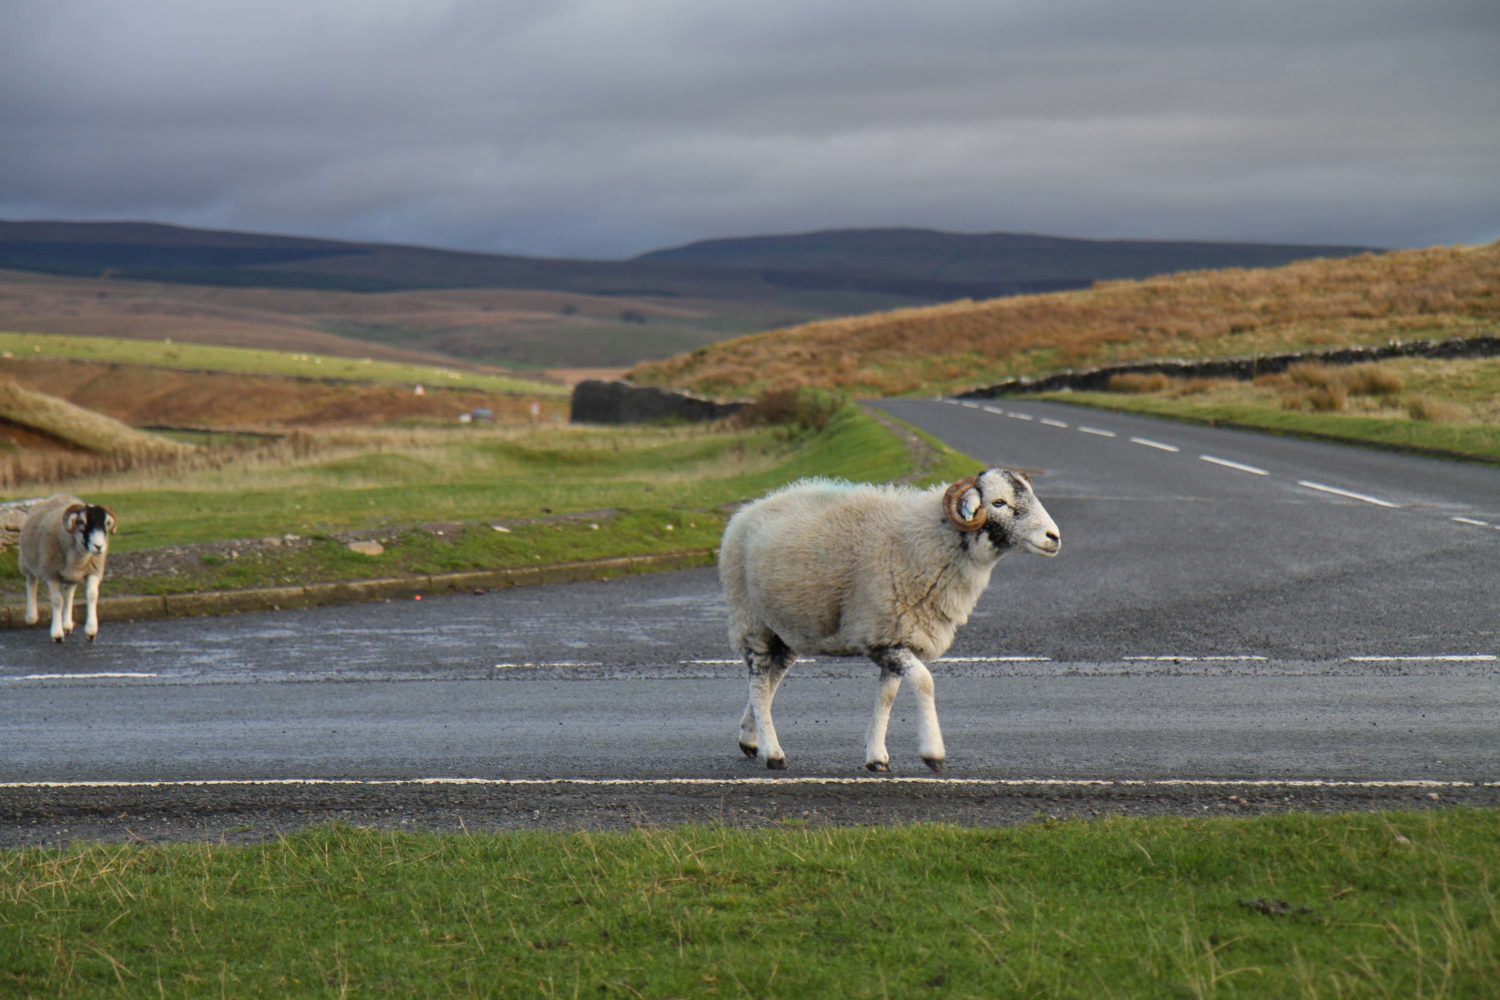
1363, 498
1097, 432
772, 782
1019, 416
108, 675
1440, 658
1154, 444
1236, 466
1054, 423
1473, 521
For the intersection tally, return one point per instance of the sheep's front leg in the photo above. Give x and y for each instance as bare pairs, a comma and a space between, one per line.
91, 606
895, 663
32, 616
59, 603
70, 591
757, 731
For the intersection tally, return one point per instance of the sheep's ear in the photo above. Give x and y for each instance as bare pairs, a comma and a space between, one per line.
110, 521
1022, 476
73, 516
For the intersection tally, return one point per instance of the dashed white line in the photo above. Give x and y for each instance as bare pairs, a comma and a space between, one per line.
1226, 783
1018, 416
1348, 494
1236, 466
1096, 432
1154, 444
995, 659
1470, 520
993, 409
1054, 423
1437, 658
968, 405
107, 675
1194, 659
560, 664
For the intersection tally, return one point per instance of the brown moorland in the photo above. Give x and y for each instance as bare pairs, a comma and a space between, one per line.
1437, 293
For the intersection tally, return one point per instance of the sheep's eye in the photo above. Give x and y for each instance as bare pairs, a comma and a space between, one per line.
999, 503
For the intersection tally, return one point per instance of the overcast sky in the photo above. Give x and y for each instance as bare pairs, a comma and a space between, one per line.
604, 128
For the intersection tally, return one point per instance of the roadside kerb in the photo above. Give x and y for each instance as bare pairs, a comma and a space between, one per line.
218, 602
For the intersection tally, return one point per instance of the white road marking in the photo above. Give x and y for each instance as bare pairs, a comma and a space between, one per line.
1154, 444
1018, 416
108, 675
1054, 423
560, 664
968, 405
1225, 783
1226, 463
993, 409
1194, 659
1097, 432
1439, 658
995, 659
1470, 520
1363, 498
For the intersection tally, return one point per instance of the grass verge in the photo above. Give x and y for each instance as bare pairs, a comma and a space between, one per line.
1471, 442
1447, 408
434, 500
1345, 905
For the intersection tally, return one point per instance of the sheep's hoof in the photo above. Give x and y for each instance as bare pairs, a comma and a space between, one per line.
776, 763
936, 763
749, 750
89, 637
878, 766
57, 638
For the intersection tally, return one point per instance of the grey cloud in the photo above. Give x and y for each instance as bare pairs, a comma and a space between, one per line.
604, 128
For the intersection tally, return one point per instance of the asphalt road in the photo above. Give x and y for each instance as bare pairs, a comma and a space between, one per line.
1228, 606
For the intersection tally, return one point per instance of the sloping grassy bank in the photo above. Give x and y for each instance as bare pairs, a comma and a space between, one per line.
1398, 905
444, 501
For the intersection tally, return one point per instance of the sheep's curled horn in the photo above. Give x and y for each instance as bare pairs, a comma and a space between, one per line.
954, 497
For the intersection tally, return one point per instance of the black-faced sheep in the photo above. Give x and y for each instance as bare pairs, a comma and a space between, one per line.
65, 542
823, 567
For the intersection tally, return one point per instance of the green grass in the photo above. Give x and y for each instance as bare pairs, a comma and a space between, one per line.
1384, 905
1474, 442
244, 361
664, 489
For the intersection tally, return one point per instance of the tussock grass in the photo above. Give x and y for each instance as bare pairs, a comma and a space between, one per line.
1437, 293
90, 442
1397, 905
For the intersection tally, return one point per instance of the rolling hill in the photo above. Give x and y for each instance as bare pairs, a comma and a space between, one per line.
1437, 293
291, 293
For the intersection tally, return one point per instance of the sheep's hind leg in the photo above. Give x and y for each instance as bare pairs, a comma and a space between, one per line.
32, 615
757, 731
896, 663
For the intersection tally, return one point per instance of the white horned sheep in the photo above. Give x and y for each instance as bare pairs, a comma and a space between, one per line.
826, 567
65, 542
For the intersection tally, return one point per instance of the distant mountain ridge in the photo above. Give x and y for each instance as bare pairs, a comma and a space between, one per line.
976, 265
918, 264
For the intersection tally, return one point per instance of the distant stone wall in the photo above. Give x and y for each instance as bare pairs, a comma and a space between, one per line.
1243, 368
599, 402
